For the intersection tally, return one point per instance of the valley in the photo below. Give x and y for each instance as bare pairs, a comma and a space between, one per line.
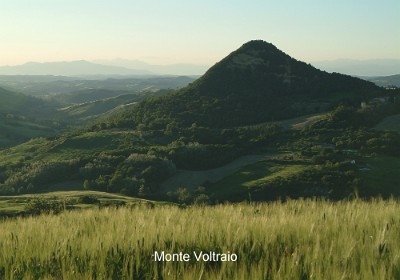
46, 106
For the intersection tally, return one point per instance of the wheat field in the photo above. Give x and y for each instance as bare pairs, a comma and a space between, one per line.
299, 239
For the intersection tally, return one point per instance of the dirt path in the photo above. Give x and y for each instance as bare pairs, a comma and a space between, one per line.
191, 179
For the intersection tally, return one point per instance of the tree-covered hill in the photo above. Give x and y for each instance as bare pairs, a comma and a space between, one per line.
24, 117
20, 104
254, 84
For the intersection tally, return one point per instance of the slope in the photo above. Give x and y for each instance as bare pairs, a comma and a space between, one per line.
20, 104
92, 110
23, 117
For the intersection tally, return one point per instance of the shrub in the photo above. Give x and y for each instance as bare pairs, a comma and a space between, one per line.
88, 199
39, 206
202, 199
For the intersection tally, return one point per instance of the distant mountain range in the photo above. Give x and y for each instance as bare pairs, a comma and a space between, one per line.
371, 67
171, 69
72, 68
109, 68
124, 67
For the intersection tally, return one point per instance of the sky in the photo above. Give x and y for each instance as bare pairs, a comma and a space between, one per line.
198, 32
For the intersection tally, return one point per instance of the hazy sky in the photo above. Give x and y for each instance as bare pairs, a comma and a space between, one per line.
201, 31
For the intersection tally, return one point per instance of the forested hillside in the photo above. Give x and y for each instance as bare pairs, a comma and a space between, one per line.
254, 84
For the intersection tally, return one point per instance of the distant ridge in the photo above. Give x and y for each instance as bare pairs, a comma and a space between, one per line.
72, 68
370, 67
170, 69
254, 84
386, 81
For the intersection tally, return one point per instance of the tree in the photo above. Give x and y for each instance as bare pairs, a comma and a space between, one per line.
183, 195
202, 199
44, 206
86, 185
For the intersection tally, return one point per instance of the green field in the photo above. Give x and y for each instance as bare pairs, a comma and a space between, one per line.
191, 179
252, 176
300, 239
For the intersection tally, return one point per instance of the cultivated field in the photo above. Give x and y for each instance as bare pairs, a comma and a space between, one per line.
300, 239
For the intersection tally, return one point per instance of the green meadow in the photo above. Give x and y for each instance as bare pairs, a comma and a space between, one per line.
253, 176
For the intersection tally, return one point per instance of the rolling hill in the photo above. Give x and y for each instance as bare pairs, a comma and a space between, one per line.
20, 104
24, 117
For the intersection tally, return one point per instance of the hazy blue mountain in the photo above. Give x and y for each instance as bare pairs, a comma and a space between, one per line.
35, 78
372, 67
171, 69
71, 68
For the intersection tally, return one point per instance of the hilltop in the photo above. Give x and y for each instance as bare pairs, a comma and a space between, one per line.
254, 84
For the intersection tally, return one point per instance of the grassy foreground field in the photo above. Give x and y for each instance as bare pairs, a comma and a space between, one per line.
293, 240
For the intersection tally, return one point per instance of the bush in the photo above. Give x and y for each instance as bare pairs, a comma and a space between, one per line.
39, 206
88, 199
113, 203
202, 199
